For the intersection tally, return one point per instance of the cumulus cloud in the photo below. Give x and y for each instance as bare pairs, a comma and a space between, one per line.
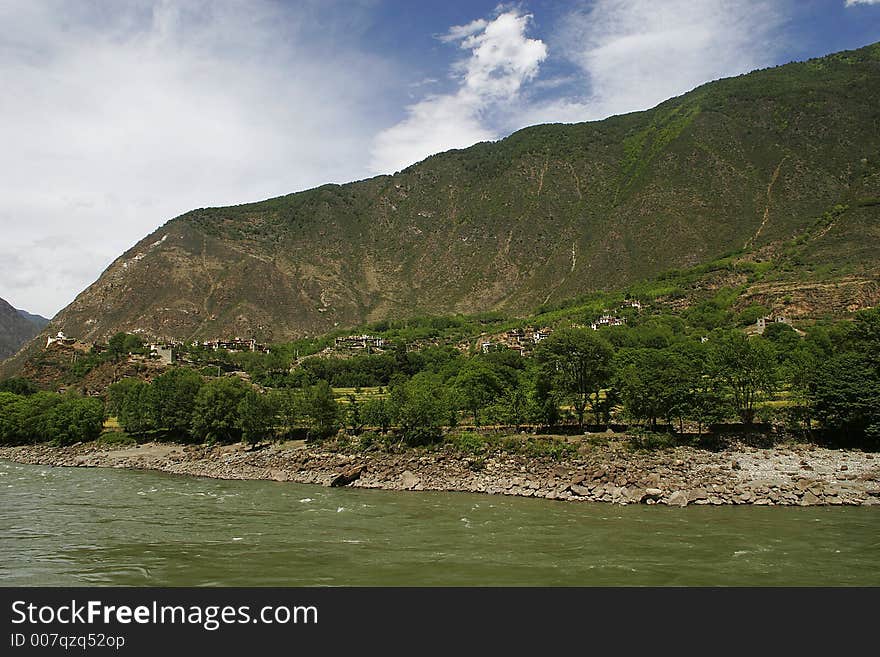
501, 60
636, 53
119, 116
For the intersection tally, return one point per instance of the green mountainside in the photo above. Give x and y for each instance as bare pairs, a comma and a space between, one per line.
780, 167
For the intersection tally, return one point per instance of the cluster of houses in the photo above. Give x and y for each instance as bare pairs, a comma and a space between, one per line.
520, 340
360, 342
608, 319
235, 344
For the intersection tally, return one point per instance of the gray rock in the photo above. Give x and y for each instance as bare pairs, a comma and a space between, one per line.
633, 495
809, 499
678, 498
697, 494
577, 489
408, 480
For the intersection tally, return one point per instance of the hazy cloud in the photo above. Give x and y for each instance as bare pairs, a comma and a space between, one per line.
117, 117
852, 3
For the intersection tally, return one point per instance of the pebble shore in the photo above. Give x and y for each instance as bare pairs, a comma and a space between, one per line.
790, 475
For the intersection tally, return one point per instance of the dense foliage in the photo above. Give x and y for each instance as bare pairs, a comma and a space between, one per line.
656, 371
63, 419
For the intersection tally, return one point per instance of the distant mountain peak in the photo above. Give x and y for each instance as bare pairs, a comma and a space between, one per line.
16, 328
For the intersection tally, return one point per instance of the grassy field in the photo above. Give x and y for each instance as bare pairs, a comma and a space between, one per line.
360, 394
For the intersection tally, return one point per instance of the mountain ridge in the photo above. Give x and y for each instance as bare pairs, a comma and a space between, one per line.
550, 212
16, 328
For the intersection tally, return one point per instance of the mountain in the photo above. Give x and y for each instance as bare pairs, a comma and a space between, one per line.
16, 329
38, 320
778, 162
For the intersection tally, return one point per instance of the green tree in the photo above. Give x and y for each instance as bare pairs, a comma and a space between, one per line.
475, 386
653, 384
136, 410
75, 419
846, 396
116, 394
257, 416
215, 414
419, 408
321, 409
579, 363
174, 398
290, 409
19, 386
14, 411
376, 412
353, 415
122, 344
746, 367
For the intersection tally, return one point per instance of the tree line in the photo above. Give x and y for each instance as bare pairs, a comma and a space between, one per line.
656, 375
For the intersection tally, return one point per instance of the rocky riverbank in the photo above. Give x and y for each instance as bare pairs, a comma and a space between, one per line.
789, 475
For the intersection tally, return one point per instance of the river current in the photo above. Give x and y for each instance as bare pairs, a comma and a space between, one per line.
85, 527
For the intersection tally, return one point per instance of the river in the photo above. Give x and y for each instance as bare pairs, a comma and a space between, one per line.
79, 526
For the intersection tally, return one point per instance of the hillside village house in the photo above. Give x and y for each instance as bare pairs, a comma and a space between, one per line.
164, 352
236, 344
360, 342
60, 340
519, 340
607, 320
762, 322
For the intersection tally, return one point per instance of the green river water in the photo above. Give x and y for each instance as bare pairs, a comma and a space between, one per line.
76, 526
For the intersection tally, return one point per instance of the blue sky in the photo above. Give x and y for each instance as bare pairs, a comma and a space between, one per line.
126, 114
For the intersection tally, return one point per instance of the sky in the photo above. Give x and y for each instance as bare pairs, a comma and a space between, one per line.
117, 116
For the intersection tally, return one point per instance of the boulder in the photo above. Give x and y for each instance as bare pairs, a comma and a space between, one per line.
678, 498
408, 480
697, 494
280, 475
577, 489
653, 492
347, 476
809, 499
633, 495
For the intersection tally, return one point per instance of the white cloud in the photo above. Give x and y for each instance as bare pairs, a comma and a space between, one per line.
853, 3
501, 60
117, 117
631, 55
458, 32
638, 53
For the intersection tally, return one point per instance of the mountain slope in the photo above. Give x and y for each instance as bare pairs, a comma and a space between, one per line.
38, 320
547, 213
15, 329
